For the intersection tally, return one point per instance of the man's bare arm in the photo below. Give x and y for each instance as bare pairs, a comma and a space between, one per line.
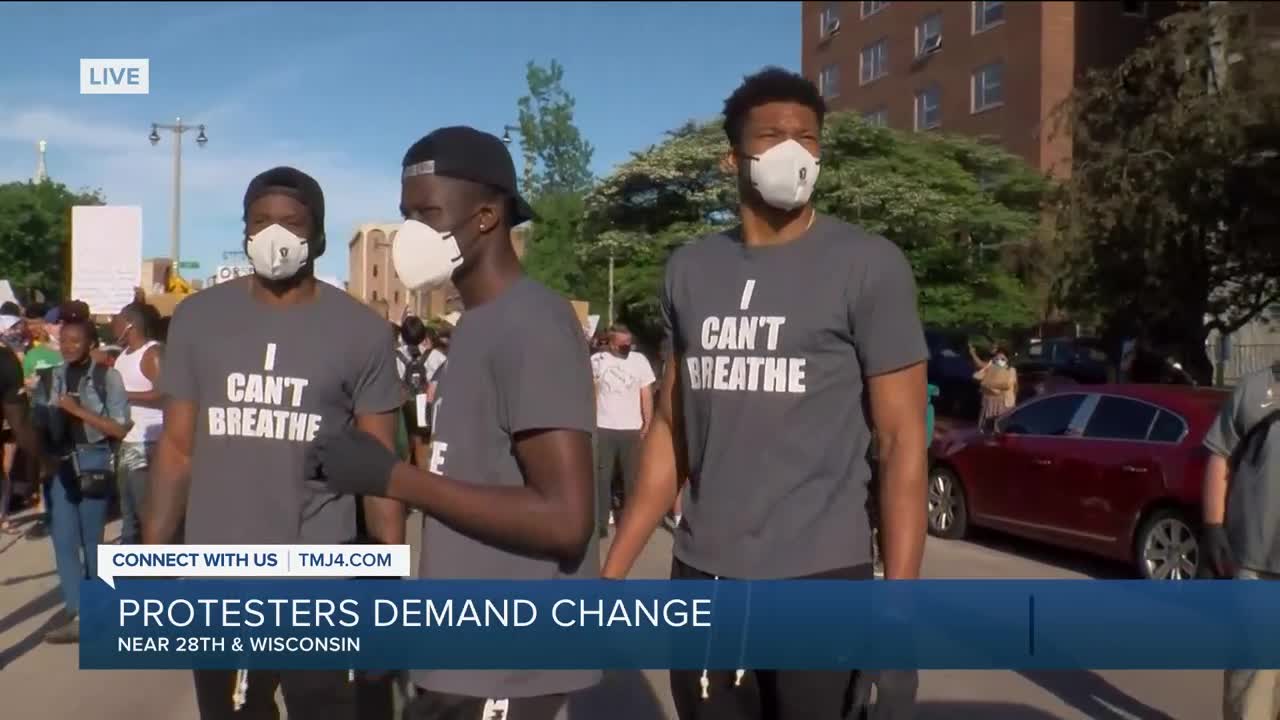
657, 479
384, 517
898, 402
170, 476
551, 515
24, 434
1216, 480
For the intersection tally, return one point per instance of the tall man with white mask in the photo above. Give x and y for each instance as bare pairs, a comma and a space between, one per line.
508, 492
139, 368
251, 379
781, 328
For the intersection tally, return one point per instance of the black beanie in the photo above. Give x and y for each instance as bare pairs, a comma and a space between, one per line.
299, 186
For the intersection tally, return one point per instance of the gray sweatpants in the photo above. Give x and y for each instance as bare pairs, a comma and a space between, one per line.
616, 452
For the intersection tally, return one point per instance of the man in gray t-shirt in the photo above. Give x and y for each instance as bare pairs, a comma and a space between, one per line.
507, 491
251, 379
785, 330
1241, 512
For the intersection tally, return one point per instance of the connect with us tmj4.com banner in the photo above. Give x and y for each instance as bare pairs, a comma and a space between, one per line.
351, 607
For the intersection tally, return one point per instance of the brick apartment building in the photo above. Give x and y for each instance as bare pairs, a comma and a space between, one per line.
373, 279
992, 69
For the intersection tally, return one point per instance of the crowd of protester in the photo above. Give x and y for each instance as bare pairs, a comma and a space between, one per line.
81, 419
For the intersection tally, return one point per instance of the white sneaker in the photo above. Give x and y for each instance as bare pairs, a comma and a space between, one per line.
610, 518
675, 519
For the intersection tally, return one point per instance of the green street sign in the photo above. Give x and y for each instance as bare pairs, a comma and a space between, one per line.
189, 264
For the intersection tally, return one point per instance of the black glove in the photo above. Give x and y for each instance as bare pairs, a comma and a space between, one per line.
1217, 550
351, 462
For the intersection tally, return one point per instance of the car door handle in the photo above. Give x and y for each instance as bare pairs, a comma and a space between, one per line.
1043, 461
1133, 469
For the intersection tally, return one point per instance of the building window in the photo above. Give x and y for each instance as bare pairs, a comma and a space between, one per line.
396, 295
929, 35
829, 20
874, 62
988, 87
375, 270
876, 118
829, 81
928, 109
1136, 9
987, 15
375, 294
871, 8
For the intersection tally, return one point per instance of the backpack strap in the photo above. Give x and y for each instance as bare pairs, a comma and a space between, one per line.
1253, 441
99, 378
406, 359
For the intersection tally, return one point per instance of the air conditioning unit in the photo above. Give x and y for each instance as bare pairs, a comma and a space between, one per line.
931, 45
833, 27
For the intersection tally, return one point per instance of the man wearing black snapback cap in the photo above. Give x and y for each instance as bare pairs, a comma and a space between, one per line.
251, 379
508, 492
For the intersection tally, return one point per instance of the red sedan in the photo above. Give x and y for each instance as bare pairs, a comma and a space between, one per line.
1113, 470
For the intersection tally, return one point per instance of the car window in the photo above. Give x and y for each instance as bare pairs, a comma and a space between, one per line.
1050, 416
1118, 418
1168, 428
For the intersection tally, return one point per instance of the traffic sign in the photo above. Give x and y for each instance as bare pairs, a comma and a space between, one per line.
189, 264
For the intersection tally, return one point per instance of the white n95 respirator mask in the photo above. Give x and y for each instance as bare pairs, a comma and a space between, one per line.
276, 253
784, 175
424, 257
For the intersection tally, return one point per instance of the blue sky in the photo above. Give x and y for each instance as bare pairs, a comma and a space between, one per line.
340, 90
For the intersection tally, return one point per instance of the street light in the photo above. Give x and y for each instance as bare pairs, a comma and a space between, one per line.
178, 128
506, 132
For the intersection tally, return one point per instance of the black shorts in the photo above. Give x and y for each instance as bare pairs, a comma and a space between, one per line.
330, 694
767, 694
433, 705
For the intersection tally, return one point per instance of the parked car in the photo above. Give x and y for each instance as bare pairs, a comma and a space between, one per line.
1083, 361
1113, 470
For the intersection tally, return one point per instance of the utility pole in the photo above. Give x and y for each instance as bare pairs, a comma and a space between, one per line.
177, 128
609, 316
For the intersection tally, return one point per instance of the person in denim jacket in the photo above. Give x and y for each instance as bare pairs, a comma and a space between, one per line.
71, 410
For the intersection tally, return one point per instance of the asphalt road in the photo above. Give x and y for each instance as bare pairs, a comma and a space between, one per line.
43, 681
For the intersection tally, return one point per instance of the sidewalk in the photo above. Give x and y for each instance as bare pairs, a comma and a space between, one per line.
39, 680
44, 681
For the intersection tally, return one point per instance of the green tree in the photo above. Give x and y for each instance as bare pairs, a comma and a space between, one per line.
557, 176
1170, 216
556, 156
940, 198
35, 234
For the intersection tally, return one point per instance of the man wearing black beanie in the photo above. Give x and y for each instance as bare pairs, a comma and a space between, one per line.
250, 380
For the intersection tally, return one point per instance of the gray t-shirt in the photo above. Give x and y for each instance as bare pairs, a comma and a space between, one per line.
265, 380
775, 345
516, 363
1253, 492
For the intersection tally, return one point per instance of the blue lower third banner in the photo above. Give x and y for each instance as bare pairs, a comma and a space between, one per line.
640, 624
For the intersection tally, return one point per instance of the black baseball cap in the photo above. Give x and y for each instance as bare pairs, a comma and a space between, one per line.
464, 153
298, 185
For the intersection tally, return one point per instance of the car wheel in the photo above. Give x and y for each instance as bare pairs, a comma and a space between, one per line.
1167, 547
948, 510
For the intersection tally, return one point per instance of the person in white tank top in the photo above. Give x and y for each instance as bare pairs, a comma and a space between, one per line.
139, 367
